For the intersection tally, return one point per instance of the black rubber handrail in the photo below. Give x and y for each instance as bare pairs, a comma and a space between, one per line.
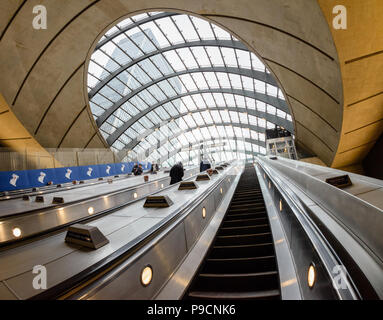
18, 241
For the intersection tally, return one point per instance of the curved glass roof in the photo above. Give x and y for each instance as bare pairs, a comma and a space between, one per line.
163, 86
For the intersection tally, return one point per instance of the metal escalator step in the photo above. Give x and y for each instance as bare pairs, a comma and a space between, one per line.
252, 295
244, 222
251, 199
240, 265
244, 239
243, 230
243, 246
241, 262
241, 259
244, 282
247, 195
244, 227
238, 215
237, 275
242, 251
254, 208
248, 204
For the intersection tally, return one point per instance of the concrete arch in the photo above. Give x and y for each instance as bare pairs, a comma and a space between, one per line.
44, 85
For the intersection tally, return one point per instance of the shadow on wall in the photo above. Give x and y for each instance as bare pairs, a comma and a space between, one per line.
372, 164
32, 158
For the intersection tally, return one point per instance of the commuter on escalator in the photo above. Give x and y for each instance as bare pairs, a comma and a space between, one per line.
176, 173
154, 168
204, 165
135, 167
138, 170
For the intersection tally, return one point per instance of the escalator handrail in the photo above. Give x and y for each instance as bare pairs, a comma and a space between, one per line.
45, 189
18, 241
324, 250
90, 198
360, 219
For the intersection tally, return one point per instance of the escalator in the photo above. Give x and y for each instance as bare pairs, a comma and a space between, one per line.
241, 262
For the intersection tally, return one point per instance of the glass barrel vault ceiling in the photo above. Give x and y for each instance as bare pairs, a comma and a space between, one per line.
162, 86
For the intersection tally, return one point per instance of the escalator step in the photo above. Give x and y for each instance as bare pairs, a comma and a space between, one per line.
252, 295
243, 210
245, 215
240, 265
244, 239
242, 251
245, 222
244, 282
246, 205
243, 230
241, 262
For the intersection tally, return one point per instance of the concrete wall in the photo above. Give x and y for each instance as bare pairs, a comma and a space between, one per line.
32, 158
360, 50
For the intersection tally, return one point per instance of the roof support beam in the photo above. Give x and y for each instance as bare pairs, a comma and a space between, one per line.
206, 43
132, 26
253, 141
288, 125
132, 144
276, 102
171, 154
255, 74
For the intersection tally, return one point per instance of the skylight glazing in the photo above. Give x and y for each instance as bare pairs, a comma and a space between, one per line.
162, 86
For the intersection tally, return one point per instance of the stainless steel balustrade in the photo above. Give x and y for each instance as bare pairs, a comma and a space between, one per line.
131, 231
162, 247
349, 223
54, 217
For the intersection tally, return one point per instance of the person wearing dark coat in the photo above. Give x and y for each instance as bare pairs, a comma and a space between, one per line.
154, 168
138, 170
204, 165
135, 167
176, 173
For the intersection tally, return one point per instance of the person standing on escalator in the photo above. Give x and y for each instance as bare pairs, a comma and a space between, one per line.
204, 165
138, 170
176, 173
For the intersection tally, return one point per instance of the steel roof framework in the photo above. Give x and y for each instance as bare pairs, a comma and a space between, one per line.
122, 115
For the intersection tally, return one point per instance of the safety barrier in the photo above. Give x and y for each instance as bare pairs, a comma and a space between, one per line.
16, 180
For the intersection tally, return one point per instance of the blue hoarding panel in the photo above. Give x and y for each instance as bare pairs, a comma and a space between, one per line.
122, 168
40, 178
67, 174
107, 170
88, 172
13, 180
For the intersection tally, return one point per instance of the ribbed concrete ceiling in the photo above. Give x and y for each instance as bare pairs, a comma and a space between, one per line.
44, 71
